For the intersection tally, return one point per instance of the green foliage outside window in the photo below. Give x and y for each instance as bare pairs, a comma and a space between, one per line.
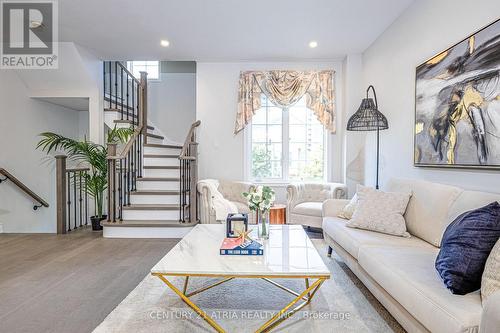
261, 164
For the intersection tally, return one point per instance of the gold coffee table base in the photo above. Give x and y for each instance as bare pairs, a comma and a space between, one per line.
286, 312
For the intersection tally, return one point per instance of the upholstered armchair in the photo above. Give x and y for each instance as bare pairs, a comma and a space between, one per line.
305, 200
221, 197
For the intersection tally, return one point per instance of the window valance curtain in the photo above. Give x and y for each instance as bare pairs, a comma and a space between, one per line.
285, 88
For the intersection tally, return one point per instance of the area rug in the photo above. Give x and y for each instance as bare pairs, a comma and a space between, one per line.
342, 304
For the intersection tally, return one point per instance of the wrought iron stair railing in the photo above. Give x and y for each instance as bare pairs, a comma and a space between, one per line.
188, 175
125, 168
121, 91
72, 198
77, 198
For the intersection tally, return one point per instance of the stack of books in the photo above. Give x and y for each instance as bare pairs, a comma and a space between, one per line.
238, 246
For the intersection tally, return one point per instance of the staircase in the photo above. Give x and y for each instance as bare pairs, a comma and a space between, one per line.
150, 178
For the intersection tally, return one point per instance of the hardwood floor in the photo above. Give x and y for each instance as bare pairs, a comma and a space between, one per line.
69, 283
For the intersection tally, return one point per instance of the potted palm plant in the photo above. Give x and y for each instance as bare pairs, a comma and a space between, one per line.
91, 154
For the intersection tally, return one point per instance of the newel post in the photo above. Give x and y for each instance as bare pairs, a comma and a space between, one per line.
61, 194
111, 182
144, 105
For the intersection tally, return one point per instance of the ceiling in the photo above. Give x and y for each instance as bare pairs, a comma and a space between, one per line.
73, 103
226, 30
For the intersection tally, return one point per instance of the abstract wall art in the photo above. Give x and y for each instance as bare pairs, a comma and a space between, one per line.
457, 104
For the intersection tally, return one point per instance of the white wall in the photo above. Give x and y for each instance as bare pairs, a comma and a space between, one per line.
23, 116
222, 152
83, 125
21, 120
172, 104
94, 90
354, 142
425, 28
79, 75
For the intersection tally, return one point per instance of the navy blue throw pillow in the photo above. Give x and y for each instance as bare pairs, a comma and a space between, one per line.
466, 244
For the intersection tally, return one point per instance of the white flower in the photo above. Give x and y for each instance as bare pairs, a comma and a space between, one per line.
259, 191
261, 198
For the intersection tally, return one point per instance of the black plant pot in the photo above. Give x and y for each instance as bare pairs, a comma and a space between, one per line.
96, 222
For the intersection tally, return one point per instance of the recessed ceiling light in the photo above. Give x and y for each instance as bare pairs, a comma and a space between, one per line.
313, 44
164, 43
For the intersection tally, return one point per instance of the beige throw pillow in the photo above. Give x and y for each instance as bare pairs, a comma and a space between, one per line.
382, 212
490, 281
348, 210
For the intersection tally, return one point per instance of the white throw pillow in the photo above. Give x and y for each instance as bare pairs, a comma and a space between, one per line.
490, 282
348, 210
382, 212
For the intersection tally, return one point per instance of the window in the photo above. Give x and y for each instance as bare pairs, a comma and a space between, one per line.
151, 67
301, 156
267, 142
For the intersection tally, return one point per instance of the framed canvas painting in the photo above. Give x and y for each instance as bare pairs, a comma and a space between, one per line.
457, 104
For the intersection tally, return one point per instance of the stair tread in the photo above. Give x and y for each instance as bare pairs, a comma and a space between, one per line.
148, 223
152, 207
122, 112
155, 192
156, 136
158, 179
125, 121
117, 104
158, 145
168, 167
160, 156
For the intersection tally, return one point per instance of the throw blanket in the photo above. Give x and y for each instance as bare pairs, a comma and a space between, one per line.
221, 205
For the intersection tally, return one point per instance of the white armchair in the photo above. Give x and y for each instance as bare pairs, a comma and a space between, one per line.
220, 197
305, 201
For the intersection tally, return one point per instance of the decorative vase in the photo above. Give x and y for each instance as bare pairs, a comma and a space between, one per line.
263, 223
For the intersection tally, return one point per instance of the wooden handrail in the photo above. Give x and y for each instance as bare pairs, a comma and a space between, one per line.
188, 141
128, 72
24, 188
128, 146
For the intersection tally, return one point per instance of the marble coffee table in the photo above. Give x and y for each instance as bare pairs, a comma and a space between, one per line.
288, 254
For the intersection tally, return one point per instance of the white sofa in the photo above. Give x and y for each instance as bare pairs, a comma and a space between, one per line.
400, 271
305, 201
230, 190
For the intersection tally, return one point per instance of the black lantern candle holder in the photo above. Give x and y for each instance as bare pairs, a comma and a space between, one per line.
236, 224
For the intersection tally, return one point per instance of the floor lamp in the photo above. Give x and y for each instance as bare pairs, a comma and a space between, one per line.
369, 118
